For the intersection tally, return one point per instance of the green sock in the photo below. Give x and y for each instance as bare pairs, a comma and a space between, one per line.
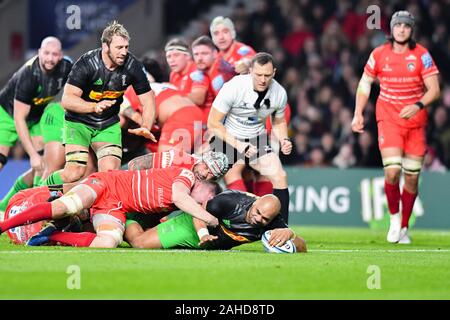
54, 178
37, 181
18, 185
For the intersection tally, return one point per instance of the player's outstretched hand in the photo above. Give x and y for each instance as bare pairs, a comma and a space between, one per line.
207, 238
278, 237
358, 123
409, 111
144, 132
103, 105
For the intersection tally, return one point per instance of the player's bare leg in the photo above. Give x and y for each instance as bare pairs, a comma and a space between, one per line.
109, 156
392, 162
138, 238
54, 158
270, 167
75, 167
109, 234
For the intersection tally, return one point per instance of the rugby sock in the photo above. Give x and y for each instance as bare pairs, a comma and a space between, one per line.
393, 196
408, 200
237, 185
54, 178
37, 181
81, 239
38, 212
261, 188
283, 196
18, 185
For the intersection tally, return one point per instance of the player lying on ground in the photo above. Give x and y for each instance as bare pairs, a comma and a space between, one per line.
243, 218
112, 194
30, 197
51, 233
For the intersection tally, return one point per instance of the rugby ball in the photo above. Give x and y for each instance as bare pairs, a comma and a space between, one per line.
20, 235
288, 247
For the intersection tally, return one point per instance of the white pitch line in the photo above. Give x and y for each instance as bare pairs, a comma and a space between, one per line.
228, 251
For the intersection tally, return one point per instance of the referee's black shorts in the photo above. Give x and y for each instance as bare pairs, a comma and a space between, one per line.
261, 142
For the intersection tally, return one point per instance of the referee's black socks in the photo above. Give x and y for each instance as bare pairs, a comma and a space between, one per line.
283, 196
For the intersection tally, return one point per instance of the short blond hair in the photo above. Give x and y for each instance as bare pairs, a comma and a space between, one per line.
114, 29
220, 20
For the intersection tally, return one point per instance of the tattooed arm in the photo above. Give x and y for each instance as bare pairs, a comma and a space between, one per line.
141, 163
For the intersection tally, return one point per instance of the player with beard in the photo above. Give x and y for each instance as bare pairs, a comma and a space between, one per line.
408, 84
92, 98
216, 69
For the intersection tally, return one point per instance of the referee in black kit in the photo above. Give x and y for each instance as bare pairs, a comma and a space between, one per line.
237, 119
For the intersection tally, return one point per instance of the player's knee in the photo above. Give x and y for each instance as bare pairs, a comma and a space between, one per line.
109, 150
73, 173
137, 243
392, 168
279, 179
411, 182
412, 167
109, 238
392, 176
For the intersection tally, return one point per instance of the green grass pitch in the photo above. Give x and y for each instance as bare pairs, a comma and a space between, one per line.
339, 265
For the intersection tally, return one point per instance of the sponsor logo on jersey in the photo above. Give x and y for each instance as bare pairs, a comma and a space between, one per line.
426, 60
97, 96
411, 57
99, 82
411, 66
167, 158
124, 78
94, 181
243, 50
234, 236
197, 76
160, 197
218, 83
386, 67
42, 101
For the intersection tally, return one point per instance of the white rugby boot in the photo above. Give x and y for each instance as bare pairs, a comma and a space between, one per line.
404, 236
393, 235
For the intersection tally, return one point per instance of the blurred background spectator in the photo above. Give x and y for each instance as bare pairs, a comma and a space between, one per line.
321, 47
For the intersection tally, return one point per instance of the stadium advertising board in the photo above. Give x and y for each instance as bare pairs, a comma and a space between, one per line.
355, 197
